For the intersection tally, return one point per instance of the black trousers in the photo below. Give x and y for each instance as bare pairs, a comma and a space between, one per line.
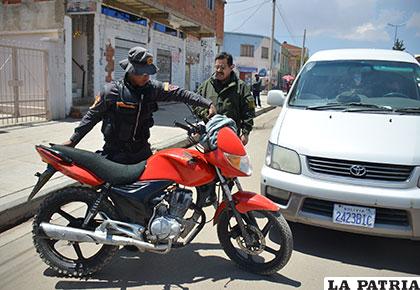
126, 156
257, 99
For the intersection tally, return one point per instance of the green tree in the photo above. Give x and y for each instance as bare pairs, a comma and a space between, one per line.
398, 45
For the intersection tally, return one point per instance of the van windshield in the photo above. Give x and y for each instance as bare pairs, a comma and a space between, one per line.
359, 84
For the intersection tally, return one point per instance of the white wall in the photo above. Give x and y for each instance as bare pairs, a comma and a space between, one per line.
176, 46
68, 62
106, 30
193, 48
209, 51
53, 42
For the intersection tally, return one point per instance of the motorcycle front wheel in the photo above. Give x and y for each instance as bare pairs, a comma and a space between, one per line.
69, 207
271, 241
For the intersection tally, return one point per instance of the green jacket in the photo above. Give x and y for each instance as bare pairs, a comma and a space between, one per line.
234, 100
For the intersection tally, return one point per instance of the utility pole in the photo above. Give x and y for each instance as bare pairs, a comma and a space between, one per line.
396, 29
270, 59
302, 55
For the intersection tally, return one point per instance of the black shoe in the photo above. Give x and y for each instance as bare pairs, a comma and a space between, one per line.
131, 248
210, 200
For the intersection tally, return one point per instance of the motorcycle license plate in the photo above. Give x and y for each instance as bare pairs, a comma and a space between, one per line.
354, 215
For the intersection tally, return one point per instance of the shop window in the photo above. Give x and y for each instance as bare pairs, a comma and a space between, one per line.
247, 50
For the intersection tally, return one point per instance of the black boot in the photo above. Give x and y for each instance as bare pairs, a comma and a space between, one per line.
210, 199
131, 248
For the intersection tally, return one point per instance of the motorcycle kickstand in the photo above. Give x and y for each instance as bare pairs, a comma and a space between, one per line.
95, 207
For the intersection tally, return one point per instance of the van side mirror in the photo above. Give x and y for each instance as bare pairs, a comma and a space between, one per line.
276, 98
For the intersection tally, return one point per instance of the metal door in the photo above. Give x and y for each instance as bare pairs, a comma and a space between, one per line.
164, 63
23, 85
122, 46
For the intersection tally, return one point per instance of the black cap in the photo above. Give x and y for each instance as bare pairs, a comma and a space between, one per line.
139, 62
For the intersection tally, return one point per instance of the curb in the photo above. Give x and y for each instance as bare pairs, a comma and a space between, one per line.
19, 209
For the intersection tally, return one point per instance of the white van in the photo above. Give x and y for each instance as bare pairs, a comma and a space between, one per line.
345, 150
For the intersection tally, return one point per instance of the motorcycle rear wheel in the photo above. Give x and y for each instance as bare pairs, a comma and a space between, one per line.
68, 207
272, 241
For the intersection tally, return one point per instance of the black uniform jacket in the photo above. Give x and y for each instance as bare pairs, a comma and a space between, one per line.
127, 112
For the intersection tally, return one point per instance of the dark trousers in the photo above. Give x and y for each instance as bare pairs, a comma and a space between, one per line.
257, 98
124, 156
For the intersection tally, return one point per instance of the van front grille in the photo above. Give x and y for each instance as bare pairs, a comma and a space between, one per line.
357, 169
386, 216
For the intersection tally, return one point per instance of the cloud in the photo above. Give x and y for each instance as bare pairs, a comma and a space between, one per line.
355, 20
362, 24
367, 32
414, 22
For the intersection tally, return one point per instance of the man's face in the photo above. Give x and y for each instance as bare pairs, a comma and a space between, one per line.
139, 80
222, 69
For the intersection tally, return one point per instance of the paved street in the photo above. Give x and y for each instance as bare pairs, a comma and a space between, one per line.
203, 265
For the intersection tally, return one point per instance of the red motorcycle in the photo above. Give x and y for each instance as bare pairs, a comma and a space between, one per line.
78, 229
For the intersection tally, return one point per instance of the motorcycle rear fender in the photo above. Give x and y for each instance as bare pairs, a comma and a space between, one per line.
67, 167
246, 201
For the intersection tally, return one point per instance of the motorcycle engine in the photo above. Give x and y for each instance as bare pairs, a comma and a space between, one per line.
168, 218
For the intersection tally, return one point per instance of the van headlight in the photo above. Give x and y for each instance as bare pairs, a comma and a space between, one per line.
283, 159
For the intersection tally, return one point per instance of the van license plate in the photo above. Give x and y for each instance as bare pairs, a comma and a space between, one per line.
354, 215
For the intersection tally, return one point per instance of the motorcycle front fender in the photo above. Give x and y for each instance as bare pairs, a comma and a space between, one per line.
246, 201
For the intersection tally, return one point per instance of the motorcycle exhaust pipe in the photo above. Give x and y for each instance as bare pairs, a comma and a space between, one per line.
58, 232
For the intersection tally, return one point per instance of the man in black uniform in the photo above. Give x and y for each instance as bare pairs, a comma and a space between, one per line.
126, 109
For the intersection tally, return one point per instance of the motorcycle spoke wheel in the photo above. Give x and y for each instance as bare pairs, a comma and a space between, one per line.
69, 207
270, 245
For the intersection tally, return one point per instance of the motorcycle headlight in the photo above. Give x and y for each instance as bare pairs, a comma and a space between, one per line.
283, 159
240, 163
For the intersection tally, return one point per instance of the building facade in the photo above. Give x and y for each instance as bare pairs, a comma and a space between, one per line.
295, 54
251, 56
84, 41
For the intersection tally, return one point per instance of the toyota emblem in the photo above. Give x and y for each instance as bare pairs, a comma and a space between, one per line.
358, 170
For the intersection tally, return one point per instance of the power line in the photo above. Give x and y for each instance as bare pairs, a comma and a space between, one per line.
246, 9
252, 14
286, 24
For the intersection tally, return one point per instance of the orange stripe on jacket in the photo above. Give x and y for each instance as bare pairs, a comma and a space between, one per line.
124, 105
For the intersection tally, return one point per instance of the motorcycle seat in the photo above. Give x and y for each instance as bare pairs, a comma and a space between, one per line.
107, 170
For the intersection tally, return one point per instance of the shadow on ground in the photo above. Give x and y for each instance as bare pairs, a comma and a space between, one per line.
180, 267
362, 250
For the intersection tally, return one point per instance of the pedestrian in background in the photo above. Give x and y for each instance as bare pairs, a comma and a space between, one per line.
256, 89
126, 109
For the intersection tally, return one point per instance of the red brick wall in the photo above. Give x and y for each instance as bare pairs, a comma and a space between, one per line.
197, 11
19, 1
220, 20
11, 1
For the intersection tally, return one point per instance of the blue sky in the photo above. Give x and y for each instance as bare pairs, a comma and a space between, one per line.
330, 23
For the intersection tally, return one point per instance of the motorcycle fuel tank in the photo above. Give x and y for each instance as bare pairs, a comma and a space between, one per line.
183, 166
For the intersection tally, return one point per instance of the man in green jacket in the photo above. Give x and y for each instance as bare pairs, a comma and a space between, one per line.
231, 96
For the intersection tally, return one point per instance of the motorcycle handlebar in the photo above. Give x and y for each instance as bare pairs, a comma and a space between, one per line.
182, 126
191, 128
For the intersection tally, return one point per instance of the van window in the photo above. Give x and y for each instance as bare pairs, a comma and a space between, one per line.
382, 83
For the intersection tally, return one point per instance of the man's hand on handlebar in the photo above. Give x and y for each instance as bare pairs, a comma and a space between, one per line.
212, 111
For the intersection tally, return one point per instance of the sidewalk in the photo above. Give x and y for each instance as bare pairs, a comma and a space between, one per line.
19, 161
